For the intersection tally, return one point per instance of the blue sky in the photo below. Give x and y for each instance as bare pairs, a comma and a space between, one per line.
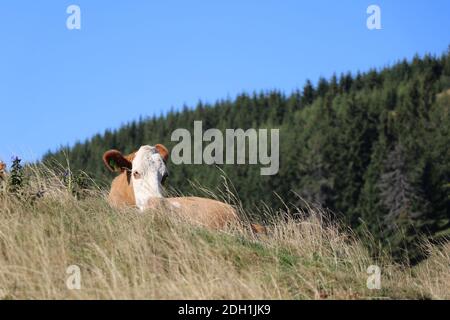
134, 58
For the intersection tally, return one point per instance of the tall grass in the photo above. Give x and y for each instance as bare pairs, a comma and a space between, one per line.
124, 254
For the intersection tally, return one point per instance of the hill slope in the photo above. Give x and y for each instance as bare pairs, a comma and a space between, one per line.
123, 254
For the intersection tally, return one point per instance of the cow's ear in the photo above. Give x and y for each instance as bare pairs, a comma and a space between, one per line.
162, 151
115, 161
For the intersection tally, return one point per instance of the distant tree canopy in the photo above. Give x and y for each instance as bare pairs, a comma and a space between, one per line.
372, 147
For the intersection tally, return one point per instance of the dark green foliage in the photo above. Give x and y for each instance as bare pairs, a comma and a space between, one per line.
78, 183
397, 194
16, 176
372, 147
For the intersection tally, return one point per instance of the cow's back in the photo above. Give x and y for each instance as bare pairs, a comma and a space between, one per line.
207, 212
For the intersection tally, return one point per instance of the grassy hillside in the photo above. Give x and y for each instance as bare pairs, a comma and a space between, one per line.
49, 222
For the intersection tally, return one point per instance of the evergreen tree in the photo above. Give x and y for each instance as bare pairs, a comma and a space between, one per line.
397, 192
308, 93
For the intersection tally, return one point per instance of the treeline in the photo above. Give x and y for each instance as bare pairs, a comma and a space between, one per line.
372, 147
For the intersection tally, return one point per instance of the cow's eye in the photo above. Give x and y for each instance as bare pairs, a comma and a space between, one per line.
136, 175
164, 177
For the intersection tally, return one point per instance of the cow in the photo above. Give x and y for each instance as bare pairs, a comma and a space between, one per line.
139, 184
2, 176
2, 171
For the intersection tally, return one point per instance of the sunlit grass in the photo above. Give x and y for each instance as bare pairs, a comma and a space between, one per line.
124, 254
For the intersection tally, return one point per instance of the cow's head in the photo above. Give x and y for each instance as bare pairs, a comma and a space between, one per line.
147, 167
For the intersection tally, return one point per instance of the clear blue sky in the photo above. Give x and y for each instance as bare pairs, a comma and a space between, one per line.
134, 58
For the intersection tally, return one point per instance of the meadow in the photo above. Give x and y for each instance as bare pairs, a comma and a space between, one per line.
49, 223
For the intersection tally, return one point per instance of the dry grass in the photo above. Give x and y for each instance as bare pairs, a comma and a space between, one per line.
123, 254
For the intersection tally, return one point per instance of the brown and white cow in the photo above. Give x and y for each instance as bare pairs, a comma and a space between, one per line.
140, 184
2, 176
2, 171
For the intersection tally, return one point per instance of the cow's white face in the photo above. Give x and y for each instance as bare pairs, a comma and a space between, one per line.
148, 172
